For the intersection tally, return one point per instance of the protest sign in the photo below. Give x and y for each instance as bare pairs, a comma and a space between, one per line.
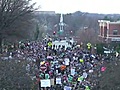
80, 78
47, 76
90, 71
81, 60
103, 69
67, 61
85, 75
72, 71
52, 81
58, 81
45, 83
70, 78
67, 88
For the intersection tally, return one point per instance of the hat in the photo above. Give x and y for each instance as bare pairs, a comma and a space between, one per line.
43, 62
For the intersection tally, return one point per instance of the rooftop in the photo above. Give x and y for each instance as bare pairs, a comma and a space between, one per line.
109, 22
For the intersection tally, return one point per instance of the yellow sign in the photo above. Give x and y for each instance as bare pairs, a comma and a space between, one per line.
50, 44
81, 60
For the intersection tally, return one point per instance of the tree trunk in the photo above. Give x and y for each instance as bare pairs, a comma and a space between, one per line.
1, 44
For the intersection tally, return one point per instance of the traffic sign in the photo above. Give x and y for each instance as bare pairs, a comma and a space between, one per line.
43, 68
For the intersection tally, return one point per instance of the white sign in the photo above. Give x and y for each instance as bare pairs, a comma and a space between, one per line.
92, 56
66, 61
115, 39
58, 81
85, 75
45, 83
91, 71
67, 88
52, 81
61, 43
72, 71
107, 52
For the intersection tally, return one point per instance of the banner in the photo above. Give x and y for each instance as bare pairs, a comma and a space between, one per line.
45, 83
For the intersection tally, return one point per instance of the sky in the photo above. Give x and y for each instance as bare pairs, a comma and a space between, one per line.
70, 6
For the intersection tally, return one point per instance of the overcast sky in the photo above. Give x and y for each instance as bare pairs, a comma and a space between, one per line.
70, 6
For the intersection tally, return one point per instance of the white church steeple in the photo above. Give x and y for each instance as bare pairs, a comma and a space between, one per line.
61, 24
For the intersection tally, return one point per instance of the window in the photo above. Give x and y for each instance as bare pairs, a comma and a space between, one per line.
115, 32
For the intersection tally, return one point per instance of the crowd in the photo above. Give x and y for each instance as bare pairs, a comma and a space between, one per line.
74, 68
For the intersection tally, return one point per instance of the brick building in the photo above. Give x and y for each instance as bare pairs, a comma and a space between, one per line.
109, 31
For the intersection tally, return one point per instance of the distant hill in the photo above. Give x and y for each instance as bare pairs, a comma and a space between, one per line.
75, 21
101, 16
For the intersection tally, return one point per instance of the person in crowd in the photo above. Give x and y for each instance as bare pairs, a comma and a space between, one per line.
78, 68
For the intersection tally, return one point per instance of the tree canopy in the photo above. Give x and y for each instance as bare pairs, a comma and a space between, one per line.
14, 16
13, 75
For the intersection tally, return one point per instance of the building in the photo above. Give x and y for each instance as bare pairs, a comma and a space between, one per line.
45, 12
109, 31
67, 43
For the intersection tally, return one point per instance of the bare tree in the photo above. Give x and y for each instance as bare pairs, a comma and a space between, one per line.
13, 76
12, 11
87, 35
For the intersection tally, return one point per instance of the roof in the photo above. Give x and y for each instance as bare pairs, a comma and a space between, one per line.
108, 22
